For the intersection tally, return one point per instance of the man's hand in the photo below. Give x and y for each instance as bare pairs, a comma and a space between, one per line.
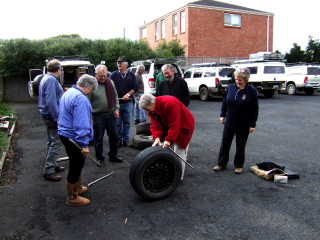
251, 129
125, 97
156, 142
116, 114
222, 120
166, 144
85, 151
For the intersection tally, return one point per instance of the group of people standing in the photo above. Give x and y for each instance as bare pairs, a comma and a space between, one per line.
100, 103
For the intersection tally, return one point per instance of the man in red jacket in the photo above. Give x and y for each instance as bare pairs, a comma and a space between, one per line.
171, 121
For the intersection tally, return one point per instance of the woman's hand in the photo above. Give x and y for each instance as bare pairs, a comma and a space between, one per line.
251, 129
85, 151
166, 144
156, 142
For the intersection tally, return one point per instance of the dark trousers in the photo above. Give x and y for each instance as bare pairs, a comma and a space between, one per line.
241, 141
102, 122
76, 160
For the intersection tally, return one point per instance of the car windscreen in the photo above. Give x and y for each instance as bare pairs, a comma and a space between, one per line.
313, 71
226, 72
274, 70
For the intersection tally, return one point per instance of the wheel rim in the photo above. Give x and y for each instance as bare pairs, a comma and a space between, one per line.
203, 93
159, 176
291, 89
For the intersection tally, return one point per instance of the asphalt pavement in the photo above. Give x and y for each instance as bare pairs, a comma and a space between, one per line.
206, 204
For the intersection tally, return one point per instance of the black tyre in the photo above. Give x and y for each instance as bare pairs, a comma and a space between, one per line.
204, 93
309, 91
142, 141
291, 89
268, 94
33, 86
155, 173
143, 128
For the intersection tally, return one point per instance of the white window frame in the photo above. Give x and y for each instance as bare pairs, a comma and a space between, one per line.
183, 21
163, 29
157, 31
175, 24
235, 20
143, 33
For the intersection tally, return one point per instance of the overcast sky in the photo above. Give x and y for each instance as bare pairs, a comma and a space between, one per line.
94, 19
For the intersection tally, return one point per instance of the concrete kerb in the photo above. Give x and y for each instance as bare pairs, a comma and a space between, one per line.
5, 152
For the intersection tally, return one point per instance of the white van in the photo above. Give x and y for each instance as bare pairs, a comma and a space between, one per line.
267, 72
303, 77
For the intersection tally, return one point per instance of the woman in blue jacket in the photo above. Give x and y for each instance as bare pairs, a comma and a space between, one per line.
239, 114
75, 123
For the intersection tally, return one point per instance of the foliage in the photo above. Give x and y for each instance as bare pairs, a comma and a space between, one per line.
296, 54
5, 110
313, 50
171, 49
17, 56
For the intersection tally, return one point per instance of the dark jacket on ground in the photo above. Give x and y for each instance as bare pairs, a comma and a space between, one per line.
178, 88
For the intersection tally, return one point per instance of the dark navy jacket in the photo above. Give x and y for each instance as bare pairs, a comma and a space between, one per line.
240, 107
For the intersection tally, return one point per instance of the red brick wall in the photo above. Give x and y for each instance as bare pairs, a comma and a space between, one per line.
206, 34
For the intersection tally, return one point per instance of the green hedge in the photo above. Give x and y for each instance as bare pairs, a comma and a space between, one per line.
19, 55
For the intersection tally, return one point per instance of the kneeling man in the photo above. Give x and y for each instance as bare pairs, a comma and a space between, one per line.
171, 121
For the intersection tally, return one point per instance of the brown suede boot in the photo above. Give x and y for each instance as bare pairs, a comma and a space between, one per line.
73, 197
81, 188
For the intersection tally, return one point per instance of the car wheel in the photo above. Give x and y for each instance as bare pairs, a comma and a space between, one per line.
142, 141
155, 173
291, 89
268, 94
204, 93
309, 91
33, 86
143, 128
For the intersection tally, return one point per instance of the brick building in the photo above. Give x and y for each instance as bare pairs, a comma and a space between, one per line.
213, 29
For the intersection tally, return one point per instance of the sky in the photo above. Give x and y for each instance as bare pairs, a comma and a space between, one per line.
96, 19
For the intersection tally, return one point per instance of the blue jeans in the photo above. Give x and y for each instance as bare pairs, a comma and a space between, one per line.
138, 111
53, 146
102, 122
124, 120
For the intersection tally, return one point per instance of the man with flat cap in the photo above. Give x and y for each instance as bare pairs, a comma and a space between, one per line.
126, 85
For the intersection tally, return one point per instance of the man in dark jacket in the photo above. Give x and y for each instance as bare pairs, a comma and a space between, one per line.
173, 86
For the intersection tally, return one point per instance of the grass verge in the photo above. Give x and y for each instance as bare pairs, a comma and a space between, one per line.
5, 110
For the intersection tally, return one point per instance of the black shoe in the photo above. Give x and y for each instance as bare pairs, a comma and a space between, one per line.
101, 162
137, 121
59, 169
120, 144
144, 121
116, 159
52, 177
126, 144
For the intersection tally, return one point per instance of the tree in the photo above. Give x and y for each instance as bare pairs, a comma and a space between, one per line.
313, 50
296, 54
171, 49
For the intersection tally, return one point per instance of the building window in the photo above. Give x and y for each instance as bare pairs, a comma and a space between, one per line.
183, 21
143, 32
157, 31
163, 29
232, 20
175, 24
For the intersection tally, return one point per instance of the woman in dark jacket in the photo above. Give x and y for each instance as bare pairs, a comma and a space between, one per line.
239, 114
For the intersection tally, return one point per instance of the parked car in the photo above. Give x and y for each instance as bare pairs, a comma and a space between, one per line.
303, 77
209, 81
72, 67
153, 68
267, 72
